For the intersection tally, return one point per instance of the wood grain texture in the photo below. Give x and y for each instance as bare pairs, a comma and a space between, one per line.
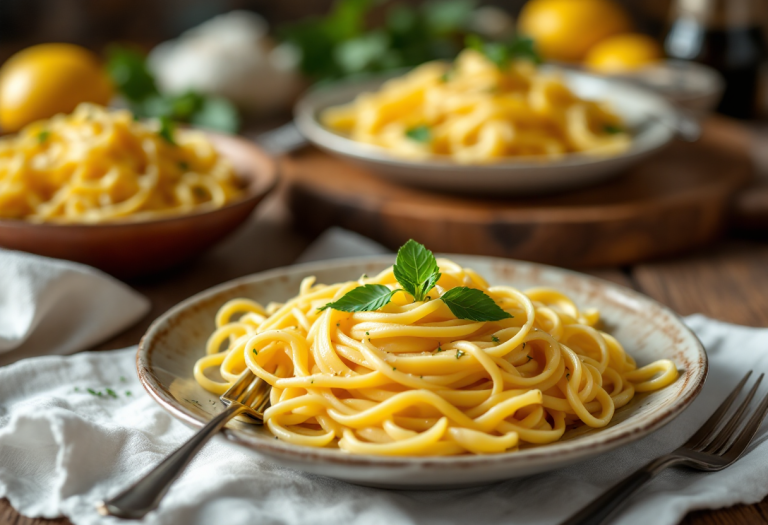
727, 282
668, 204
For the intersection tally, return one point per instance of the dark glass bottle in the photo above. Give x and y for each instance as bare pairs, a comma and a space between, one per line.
726, 35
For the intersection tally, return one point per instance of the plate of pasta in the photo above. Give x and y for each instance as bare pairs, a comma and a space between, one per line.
128, 196
476, 126
429, 372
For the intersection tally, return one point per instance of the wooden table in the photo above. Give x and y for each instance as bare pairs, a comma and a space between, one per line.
726, 281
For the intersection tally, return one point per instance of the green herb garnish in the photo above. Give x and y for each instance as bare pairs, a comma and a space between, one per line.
612, 129
502, 53
167, 130
494, 339
183, 166
43, 136
111, 393
421, 134
460, 354
416, 270
473, 304
365, 298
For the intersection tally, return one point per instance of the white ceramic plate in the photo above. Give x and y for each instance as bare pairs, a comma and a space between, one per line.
648, 331
648, 114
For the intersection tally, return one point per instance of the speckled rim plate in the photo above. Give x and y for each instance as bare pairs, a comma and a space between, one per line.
648, 331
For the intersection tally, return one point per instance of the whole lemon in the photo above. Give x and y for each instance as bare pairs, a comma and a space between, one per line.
567, 29
622, 53
47, 79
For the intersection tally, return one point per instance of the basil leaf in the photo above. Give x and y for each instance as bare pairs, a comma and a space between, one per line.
363, 299
473, 304
419, 134
612, 129
416, 269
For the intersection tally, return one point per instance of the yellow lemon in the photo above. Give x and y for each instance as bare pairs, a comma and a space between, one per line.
567, 29
47, 79
622, 53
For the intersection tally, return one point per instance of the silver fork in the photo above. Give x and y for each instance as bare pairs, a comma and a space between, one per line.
249, 395
716, 445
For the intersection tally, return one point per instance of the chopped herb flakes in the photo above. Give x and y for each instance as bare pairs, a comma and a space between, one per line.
612, 129
421, 134
460, 354
494, 339
255, 352
43, 136
111, 393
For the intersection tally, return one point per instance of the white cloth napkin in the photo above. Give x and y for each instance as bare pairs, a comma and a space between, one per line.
62, 448
50, 306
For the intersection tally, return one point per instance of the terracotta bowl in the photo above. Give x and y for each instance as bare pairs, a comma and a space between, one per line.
130, 249
648, 331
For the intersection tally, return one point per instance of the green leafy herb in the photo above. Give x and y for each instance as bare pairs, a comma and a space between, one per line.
420, 134
167, 129
416, 269
43, 136
111, 393
128, 393
502, 53
183, 166
445, 77
94, 392
523, 345
612, 129
255, 352
365, 298
460, 354
345, 42
129, 73
494, 339
529, 357
473, 304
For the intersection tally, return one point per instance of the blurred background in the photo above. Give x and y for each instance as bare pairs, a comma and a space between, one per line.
726, 35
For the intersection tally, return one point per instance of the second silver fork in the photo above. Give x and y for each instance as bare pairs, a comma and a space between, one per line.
716, 445
248, 395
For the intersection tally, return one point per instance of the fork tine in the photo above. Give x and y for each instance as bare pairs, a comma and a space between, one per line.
748, 432
236, 390
728, 430
707, 428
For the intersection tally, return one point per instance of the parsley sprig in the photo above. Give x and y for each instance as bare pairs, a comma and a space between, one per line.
417, 272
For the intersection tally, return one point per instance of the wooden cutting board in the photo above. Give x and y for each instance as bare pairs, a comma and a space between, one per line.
670, 203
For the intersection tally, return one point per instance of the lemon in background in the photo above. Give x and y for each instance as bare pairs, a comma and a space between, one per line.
567, 29
47, 79
622, 53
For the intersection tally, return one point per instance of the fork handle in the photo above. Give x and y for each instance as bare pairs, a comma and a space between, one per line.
143, 496
599, 510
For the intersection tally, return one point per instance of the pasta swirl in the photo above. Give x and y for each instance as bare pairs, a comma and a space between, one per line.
98, 166
413, 380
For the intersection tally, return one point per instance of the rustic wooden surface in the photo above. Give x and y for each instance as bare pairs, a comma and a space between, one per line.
727, 280
668, 204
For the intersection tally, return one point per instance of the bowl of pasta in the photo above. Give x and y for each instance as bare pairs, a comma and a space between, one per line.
473, 126
432, 372
129, 197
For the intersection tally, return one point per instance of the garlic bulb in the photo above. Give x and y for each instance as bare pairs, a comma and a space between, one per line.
230, 56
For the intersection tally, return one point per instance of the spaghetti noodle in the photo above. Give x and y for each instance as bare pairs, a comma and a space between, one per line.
96, 166
476, 112
413, 379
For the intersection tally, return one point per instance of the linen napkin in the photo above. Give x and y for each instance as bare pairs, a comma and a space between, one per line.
63, 447
51, 306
